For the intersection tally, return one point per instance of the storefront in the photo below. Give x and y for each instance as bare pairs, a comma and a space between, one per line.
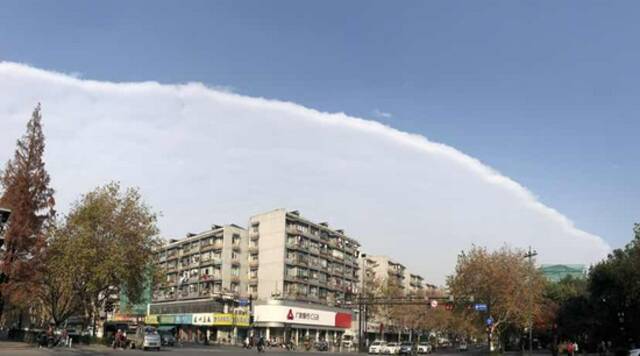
283, 321
228, 328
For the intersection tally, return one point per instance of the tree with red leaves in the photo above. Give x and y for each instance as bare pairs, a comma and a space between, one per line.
25, 183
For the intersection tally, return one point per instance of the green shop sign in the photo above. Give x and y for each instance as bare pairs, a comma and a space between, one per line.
180, 319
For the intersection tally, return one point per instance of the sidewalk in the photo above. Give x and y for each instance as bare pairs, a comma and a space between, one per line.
14, 345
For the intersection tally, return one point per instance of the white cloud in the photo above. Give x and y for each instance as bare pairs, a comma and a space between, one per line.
381, 114
203, 156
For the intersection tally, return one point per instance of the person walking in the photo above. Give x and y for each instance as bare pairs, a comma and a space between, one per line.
260, 344
570, 350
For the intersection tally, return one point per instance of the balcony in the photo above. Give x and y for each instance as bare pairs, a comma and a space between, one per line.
293, 230
253, 248
295, 245
210, 277
189, 295
214, 246
253, 263
235, 279
254, 236
172, 256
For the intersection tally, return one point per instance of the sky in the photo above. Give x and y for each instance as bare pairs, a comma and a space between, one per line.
543, 92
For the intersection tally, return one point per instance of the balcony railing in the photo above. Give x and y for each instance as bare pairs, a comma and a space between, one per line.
213, 246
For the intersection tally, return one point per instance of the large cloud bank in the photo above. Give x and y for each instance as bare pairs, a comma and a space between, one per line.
203, 156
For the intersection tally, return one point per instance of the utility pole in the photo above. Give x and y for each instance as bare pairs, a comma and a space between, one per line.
362, 322
530, 255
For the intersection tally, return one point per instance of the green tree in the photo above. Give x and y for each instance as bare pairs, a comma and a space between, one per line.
614, 287
26, 191
111, 236
55, 292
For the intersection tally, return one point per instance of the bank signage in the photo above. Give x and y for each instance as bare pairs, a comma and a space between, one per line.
306, 316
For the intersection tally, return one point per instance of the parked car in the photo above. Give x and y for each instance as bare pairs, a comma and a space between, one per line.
376, 347
347, 343
145, 338
634, 352
392, 348
424, 348
167, 338
321, 345
463, 346
406, 348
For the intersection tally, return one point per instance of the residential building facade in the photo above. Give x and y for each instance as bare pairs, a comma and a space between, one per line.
299, 260
205, 275
388, 271
302, 275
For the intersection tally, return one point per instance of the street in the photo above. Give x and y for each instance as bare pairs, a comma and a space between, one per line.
21, 350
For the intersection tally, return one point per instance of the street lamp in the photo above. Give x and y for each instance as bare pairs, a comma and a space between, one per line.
529, 255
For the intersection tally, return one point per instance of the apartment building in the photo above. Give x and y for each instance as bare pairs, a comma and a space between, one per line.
413, 283
302, 275
295, 259
205, 276
205, 265
388, 271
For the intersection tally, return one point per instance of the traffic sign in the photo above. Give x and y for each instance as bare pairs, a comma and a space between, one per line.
434, 303
489, 320
480, 307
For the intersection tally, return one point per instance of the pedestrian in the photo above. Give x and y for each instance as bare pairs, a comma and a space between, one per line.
575, 347
118, 340
570, 349
260, 344
64, 337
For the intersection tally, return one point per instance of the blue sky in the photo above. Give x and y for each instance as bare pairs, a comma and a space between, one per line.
543, 91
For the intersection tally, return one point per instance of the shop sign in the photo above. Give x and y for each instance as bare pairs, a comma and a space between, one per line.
220, 319
307, 316
242, 319
202, 319
125, 317
151, 319
167, 319
183, 319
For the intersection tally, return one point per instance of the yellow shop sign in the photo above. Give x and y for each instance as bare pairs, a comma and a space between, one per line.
151, 319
